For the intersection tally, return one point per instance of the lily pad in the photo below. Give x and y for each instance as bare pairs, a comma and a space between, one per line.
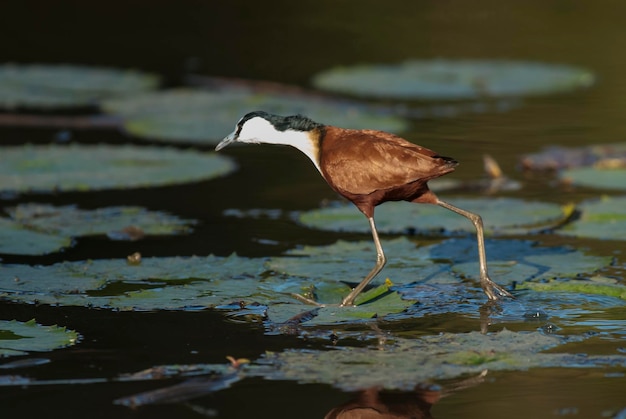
71, 221
15, 239
376, 303
174, 283
407, 362
351, 262
36, 229
202, 116
596, 285
20, 338
446, 79
43, 86
559, 157
325, 274
595, 177
500, 216
513, 261
91, 167
603, 218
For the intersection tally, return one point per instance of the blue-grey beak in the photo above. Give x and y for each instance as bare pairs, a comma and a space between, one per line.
230, 139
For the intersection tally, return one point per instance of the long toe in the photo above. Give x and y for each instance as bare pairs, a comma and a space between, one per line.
494, 291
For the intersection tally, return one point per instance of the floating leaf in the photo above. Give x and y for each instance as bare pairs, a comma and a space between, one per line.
375, 303
71, 221
36, 229
17, 240
351, 262
324, 273
518, 260
20, 338
408, 362
445, 79
202, 116
180, 284
500, 215
172, 283
596, 285
596, 177
89, 167
61, 86
603, 218
559, 157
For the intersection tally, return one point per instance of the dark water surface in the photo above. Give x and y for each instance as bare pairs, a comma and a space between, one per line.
289, 41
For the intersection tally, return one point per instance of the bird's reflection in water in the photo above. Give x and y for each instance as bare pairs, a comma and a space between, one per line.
375, 403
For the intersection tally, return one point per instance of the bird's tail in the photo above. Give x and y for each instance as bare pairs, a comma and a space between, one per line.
449, 161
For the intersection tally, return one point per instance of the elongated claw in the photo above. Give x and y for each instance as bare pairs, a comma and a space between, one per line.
494, 291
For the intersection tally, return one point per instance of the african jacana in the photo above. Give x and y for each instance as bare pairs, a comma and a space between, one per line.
368, 168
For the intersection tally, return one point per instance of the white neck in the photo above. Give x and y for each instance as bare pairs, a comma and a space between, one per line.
303, 142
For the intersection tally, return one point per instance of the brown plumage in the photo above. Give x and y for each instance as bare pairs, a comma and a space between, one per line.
368, 168
373, 167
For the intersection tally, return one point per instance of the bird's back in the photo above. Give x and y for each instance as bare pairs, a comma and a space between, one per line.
361, 162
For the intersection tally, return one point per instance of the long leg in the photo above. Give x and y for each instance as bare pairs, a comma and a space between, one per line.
380, 262
493, 290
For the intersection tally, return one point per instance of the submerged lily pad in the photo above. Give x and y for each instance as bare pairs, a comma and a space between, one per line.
90, 167
446, 79
61, 86
20, 338
603, 218
500, 216
596, 177
202, 116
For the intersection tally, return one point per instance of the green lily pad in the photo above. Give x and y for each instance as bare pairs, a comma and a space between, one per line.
36, 229
20, 338
500, 216
376, 303
351, 262
596, 285
513, 261
17, 240
43, 86
90, 167
201, 116
173, 283
603, 218
325, 274
407, 362
181, 284
595, 177
446, 79
71, 221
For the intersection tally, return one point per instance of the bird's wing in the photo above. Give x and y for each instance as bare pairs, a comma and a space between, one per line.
365, 161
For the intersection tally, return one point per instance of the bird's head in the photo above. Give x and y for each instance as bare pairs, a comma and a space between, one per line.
262, 127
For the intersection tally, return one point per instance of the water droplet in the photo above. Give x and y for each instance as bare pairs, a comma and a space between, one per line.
549, 328
535, 315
